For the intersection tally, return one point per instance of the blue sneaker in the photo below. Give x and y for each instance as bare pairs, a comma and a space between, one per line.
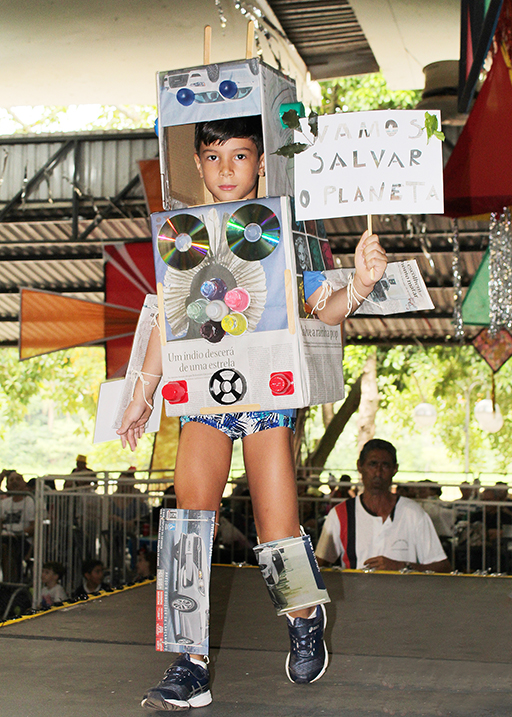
308, 657
185, 684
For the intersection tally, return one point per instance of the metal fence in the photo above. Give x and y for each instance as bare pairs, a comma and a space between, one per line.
114, 519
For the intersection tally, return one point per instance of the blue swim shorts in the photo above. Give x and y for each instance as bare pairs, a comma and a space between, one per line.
239, 425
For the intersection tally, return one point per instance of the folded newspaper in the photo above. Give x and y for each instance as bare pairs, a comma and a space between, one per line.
401, 289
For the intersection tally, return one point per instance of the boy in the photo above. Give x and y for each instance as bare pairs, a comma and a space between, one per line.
52, 592
92, 571
229, 157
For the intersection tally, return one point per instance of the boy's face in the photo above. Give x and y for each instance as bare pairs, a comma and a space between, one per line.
48, 577
96, 575
230, 170
143, 568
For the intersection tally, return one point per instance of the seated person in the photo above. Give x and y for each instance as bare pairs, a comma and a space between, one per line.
17, 516
92, 571
146, 565
443, 515
52, 592
379, 529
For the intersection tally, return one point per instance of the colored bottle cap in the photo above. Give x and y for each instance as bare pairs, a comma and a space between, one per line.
285, 107
197, 311
237, 299
216, 310
213, 289
234, 324
175, 392
281, 383
212, 331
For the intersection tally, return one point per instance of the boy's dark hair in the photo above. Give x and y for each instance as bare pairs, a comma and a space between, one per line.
89, 565
377, 444
225, 129
57, 568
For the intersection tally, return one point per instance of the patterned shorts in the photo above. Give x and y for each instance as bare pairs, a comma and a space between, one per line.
239, 425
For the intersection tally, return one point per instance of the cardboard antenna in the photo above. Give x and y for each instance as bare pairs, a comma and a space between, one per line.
249, 45
207, 49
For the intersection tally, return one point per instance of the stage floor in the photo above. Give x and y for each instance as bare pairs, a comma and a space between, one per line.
400, 645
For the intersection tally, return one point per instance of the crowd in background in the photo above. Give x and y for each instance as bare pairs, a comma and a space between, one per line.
475, 530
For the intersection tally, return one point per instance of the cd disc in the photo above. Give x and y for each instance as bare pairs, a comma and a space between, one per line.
183, 241
253, 232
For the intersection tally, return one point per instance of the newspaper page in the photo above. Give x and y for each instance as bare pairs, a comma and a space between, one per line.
401, 289
322, 362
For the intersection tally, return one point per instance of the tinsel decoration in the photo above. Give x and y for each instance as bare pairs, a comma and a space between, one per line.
263, 27
500, 273
457, 321
222, 18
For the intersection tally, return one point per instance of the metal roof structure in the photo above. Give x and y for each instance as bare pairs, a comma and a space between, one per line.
327, 36
63, 197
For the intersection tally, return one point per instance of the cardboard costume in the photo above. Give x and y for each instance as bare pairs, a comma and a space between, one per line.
238, 334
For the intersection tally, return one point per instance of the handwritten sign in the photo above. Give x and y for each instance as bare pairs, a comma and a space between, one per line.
375, 162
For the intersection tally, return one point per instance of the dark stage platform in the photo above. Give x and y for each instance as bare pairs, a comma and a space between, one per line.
400, 645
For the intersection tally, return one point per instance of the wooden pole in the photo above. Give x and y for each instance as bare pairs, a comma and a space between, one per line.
249, 45
370, 231
207, 50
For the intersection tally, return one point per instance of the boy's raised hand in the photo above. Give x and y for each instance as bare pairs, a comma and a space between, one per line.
370, 255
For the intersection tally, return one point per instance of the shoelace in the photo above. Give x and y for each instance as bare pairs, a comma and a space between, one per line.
305, 644
181, 671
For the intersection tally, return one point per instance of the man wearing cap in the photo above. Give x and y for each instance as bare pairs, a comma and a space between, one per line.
81, 465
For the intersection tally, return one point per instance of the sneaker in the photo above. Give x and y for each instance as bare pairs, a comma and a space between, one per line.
185, 684
308, 657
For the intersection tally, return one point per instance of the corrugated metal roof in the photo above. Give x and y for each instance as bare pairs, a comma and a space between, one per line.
400, 235
57, 246
327, 36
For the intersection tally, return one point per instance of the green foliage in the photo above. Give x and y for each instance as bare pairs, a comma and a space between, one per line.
48, 119
431, 127
292, 120
290, 150
354, 359
313, 123
443, 375
124, 117
48, 407
69, 379
364, 92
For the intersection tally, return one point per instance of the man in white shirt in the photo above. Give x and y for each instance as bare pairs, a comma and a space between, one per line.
379, 529
17, 515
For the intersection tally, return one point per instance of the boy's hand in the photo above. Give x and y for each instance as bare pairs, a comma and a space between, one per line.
370, 255
134, 422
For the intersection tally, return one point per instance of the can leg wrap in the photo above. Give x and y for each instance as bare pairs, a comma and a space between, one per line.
185, 540
291, 574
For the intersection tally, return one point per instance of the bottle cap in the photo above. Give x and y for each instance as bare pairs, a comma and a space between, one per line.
216, 310
213, 289
234, 324
197, 311
237, 299
212, 331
